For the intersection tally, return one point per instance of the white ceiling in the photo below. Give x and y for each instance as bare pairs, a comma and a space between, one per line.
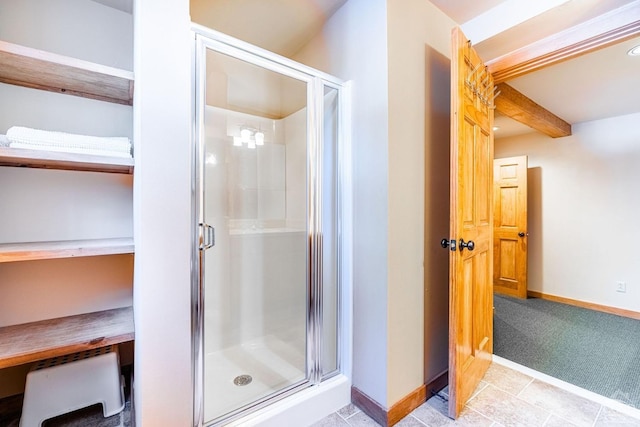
601, 84
566, 15
281, 26
462, 11
123, 5
235, 85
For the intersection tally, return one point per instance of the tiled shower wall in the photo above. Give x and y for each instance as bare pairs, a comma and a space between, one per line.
254, 199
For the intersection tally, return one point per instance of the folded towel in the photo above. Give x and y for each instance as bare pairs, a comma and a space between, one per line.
4, 141
51, 139
75, 150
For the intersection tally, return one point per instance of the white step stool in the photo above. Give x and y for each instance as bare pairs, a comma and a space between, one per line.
67, 383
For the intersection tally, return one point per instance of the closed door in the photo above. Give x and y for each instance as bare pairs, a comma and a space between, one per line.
510, 226
471, 228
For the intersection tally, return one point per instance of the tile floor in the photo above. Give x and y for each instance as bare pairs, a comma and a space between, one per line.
506, 397
87, 417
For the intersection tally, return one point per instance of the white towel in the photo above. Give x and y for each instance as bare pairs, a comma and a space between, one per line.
50, 139
4, 141
75, 150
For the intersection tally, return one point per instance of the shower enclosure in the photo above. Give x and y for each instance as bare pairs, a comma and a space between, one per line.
267, 227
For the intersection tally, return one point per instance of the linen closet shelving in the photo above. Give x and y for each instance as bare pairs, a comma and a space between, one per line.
23, 66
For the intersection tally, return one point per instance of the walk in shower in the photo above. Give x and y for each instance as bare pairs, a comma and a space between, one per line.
267, 233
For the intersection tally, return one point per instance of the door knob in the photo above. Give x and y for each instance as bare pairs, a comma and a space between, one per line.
521, 234
469, 245
451, 244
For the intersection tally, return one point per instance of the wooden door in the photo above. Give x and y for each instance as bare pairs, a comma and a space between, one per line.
470, 275
510, 226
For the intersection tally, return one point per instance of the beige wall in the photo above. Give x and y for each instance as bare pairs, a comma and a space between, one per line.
353, 46
390, 207
419, 78
583, 206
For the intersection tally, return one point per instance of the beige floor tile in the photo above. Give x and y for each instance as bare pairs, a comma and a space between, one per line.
348, 411
471, 418
612, 418
555, 421
361, 420
333, 420
506, 379
409, 421
440, 405
493, 405
507, 409
430, 413
578, 410
481, 385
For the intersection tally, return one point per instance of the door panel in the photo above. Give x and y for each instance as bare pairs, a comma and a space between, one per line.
510, 226
471, 267
255, 278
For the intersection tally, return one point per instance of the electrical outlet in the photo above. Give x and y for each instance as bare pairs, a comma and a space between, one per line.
621, 287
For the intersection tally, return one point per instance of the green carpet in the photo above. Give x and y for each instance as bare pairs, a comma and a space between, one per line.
597, 351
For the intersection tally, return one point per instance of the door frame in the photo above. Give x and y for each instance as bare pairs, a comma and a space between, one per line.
202, 39
600, 32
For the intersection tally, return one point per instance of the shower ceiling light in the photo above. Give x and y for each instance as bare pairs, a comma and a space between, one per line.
250, 136
245, 134
259, 136
211, 159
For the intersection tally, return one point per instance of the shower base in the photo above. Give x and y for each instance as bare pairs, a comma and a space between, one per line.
271, 363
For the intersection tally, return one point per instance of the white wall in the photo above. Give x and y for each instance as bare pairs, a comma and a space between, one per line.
162, 213
41, 205
255, 275
353, 46
419, 100
582, 210
295, 135
77, 28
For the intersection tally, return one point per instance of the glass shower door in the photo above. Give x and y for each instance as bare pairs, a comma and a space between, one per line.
256, 279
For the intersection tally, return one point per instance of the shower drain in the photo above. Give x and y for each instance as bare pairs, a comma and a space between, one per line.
242, 379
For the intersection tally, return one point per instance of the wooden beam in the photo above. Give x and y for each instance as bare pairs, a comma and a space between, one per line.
514, 104
613, 27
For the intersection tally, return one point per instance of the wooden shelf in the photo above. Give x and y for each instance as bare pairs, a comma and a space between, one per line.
68, 161
12, 252
34, 341
24, 66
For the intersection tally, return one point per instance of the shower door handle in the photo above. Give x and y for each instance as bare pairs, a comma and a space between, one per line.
208, 234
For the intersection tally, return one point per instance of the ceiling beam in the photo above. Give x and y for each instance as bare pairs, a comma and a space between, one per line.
612, 27
514, 104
